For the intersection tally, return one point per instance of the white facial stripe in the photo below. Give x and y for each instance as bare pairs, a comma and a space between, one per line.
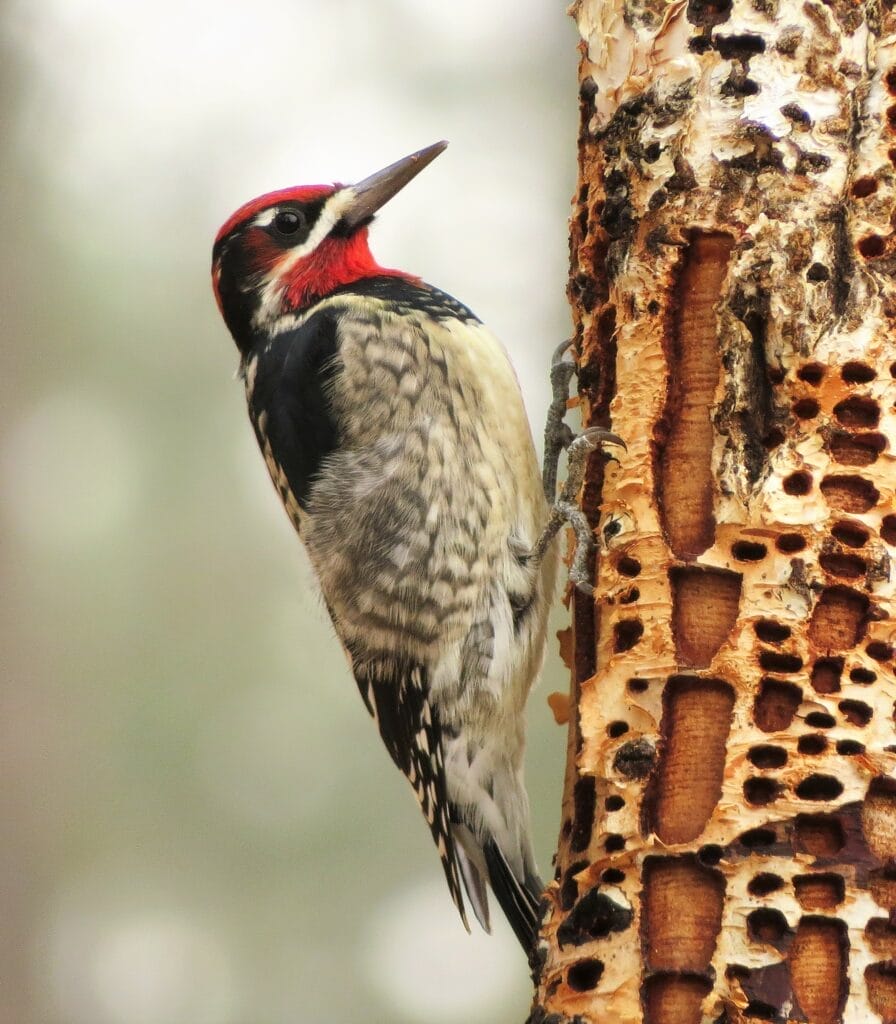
329, 217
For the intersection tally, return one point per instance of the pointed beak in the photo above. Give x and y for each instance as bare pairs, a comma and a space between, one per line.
373, 192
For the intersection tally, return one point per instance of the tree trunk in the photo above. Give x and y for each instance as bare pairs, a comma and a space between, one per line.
728, 848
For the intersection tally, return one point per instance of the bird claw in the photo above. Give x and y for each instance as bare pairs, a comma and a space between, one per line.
565, 508
559, 436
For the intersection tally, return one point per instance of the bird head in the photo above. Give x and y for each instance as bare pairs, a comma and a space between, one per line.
283, 251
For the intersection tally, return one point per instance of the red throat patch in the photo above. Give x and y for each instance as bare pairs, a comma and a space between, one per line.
335, 262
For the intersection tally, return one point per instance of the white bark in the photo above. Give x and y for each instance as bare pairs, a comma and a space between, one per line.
729, 823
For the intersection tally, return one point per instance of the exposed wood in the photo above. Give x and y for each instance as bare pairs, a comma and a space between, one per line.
728, 850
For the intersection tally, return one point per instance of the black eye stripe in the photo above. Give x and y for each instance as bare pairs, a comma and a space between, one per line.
292, 223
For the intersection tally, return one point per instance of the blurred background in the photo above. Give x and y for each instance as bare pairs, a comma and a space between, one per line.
200, 825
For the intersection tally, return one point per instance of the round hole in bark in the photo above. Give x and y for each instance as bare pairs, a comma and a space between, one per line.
767, 925
819, 787
856, 449
818, 272
771, 632
612, 529
891, 81
871, 246
812, 373
628, 566
766, 755
773, 438
820, 720
584, 975
635, 759
613, 876
630, 596
778, 661
813, 744
864, 187
748, 551
760, 791
850, 748
858, 412
618, 728
891, 153
852, 534
839, 563
756, 838
798, 483
638, 685
790, 543
855, 372
850, 493
626, 634
614, 843
764, 884
879, 651
856, 712
862, 676
614, 803
888, 529
710, 854
806, 408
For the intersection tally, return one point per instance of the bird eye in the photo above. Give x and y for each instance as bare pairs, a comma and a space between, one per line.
288, 222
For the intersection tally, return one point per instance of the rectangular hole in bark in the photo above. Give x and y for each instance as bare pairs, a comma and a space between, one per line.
826, 673
881, 936
882, 885
818, 960
820, 835
881, 981
674, 999
819, 892
704, 611
584, 795
879, 818
687, 786
776, 704
682, 913
685, 487
838, 620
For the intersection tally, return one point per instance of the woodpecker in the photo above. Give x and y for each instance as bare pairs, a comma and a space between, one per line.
393, 428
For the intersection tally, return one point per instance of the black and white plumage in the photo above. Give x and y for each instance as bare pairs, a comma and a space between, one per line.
393, 428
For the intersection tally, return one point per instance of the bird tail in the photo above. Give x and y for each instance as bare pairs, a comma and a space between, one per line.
519, 898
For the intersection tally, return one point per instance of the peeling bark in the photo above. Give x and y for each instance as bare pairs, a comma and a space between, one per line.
728, 847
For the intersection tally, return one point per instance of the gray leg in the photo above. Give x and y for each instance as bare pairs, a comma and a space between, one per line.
566, 510
557, 433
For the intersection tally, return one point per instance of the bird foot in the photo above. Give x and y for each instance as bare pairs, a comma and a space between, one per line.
565, 508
